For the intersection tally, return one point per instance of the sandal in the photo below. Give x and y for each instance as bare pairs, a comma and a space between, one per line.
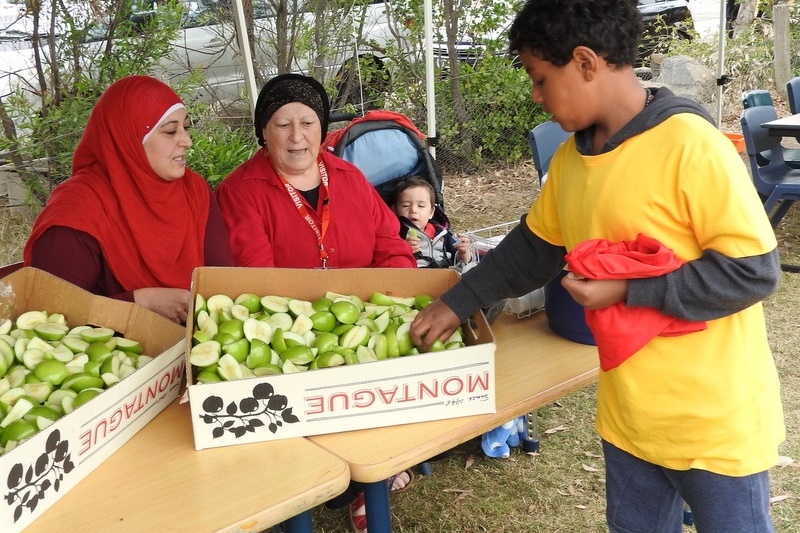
358, 514
358, 511
405, 487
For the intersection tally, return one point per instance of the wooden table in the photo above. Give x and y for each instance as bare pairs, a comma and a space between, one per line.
158, 482
784, 127
533, 368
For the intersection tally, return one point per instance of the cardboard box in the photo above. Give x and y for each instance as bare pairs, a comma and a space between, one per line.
39, 471
394, 391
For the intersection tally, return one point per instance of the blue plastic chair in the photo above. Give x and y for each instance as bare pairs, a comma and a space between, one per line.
544, 139
777, 183
755, 98
793, 89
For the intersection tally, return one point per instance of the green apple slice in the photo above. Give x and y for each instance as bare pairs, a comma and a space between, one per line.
208, 376
57, 318
129, 345
404, 343
51, 331
322, 304
82, 380
275, 304
201, 318
109, 378
407, 301
39, 344
250, 301
299, 355
367, 322
267, 370
240, 312
210, 327
18, 410
325, 341
291, 368
218, 302
292, 338
98, 334
13, 394
365, 355
75, 344
125, 370
280, 320
42, 422
5, 326
142, 360
299, 307
302, 324
39, 391
20, 345
30, 319
454, 345
42, 411
421, 301
329, 359
51, 370
16, 376
6, 354
355, 336
80, 363
257, 329
199, 304
238, 349
278, 344
4, 385
378, 298
382, 321
229, 369
31, 357
76, 331
205, 354
17, 431
379, 344
345, 311
56, 397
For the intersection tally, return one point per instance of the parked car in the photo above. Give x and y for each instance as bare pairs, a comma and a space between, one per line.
664, 21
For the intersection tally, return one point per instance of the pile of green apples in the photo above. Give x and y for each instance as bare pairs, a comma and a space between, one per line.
254, 336
48, 369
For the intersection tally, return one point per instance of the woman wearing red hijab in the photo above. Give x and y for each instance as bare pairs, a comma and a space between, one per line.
133, 221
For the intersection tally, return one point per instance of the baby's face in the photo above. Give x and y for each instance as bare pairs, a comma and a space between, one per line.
415, 204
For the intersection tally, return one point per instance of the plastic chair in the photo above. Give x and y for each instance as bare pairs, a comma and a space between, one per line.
544, 139
777, 183
793, 89
761, 97
755, 98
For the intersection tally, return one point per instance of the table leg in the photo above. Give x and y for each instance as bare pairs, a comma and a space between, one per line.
531, 441
301, 523
376, 502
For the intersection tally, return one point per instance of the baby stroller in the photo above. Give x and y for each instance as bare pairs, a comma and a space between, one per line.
387, 147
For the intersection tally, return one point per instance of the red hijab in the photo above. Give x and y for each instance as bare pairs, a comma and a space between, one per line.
151, 231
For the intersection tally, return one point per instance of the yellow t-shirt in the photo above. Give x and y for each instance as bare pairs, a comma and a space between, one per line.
707, 400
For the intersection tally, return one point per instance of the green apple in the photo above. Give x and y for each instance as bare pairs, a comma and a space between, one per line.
19, 409
454, 345
302, 324
367, 322
260, 354
31, 357
325, 341
278, 344
75, 344
291, 368
5, 326
199, 304
382, 321
249, 300
292, 338
51, 370
90, 367
239, 311
365, 355
110, 379
254, 329
345, 311
379, 344
378, 298
341, 329
404, 343
62, 353
437, 346
42, 411
39, 391
223, 338
199, 336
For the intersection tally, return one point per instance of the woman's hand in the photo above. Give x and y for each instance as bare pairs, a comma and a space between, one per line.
435, 321
171, 303
595, 293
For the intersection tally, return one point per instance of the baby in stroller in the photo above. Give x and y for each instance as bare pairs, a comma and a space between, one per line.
433, 244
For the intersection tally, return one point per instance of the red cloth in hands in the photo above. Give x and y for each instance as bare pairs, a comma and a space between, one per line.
620, 331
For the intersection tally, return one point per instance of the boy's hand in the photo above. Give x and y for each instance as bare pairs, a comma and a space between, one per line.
414, 243
435, 321
595, 293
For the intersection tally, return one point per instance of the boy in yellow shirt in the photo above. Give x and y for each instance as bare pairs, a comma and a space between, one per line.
692, 416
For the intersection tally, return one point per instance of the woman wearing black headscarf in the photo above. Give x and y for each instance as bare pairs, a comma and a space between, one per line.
292, 205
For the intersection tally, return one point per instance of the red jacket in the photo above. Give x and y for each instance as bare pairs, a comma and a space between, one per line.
266, 229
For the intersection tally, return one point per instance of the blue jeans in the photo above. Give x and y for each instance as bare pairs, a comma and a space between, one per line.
645, 498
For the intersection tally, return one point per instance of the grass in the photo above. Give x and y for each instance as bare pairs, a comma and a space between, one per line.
560, 489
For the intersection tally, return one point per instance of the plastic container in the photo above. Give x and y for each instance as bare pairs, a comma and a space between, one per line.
738, 141
485, 239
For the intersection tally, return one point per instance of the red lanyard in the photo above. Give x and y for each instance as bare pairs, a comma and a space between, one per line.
308, 217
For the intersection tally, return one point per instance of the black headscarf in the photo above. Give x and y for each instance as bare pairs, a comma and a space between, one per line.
285, 89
